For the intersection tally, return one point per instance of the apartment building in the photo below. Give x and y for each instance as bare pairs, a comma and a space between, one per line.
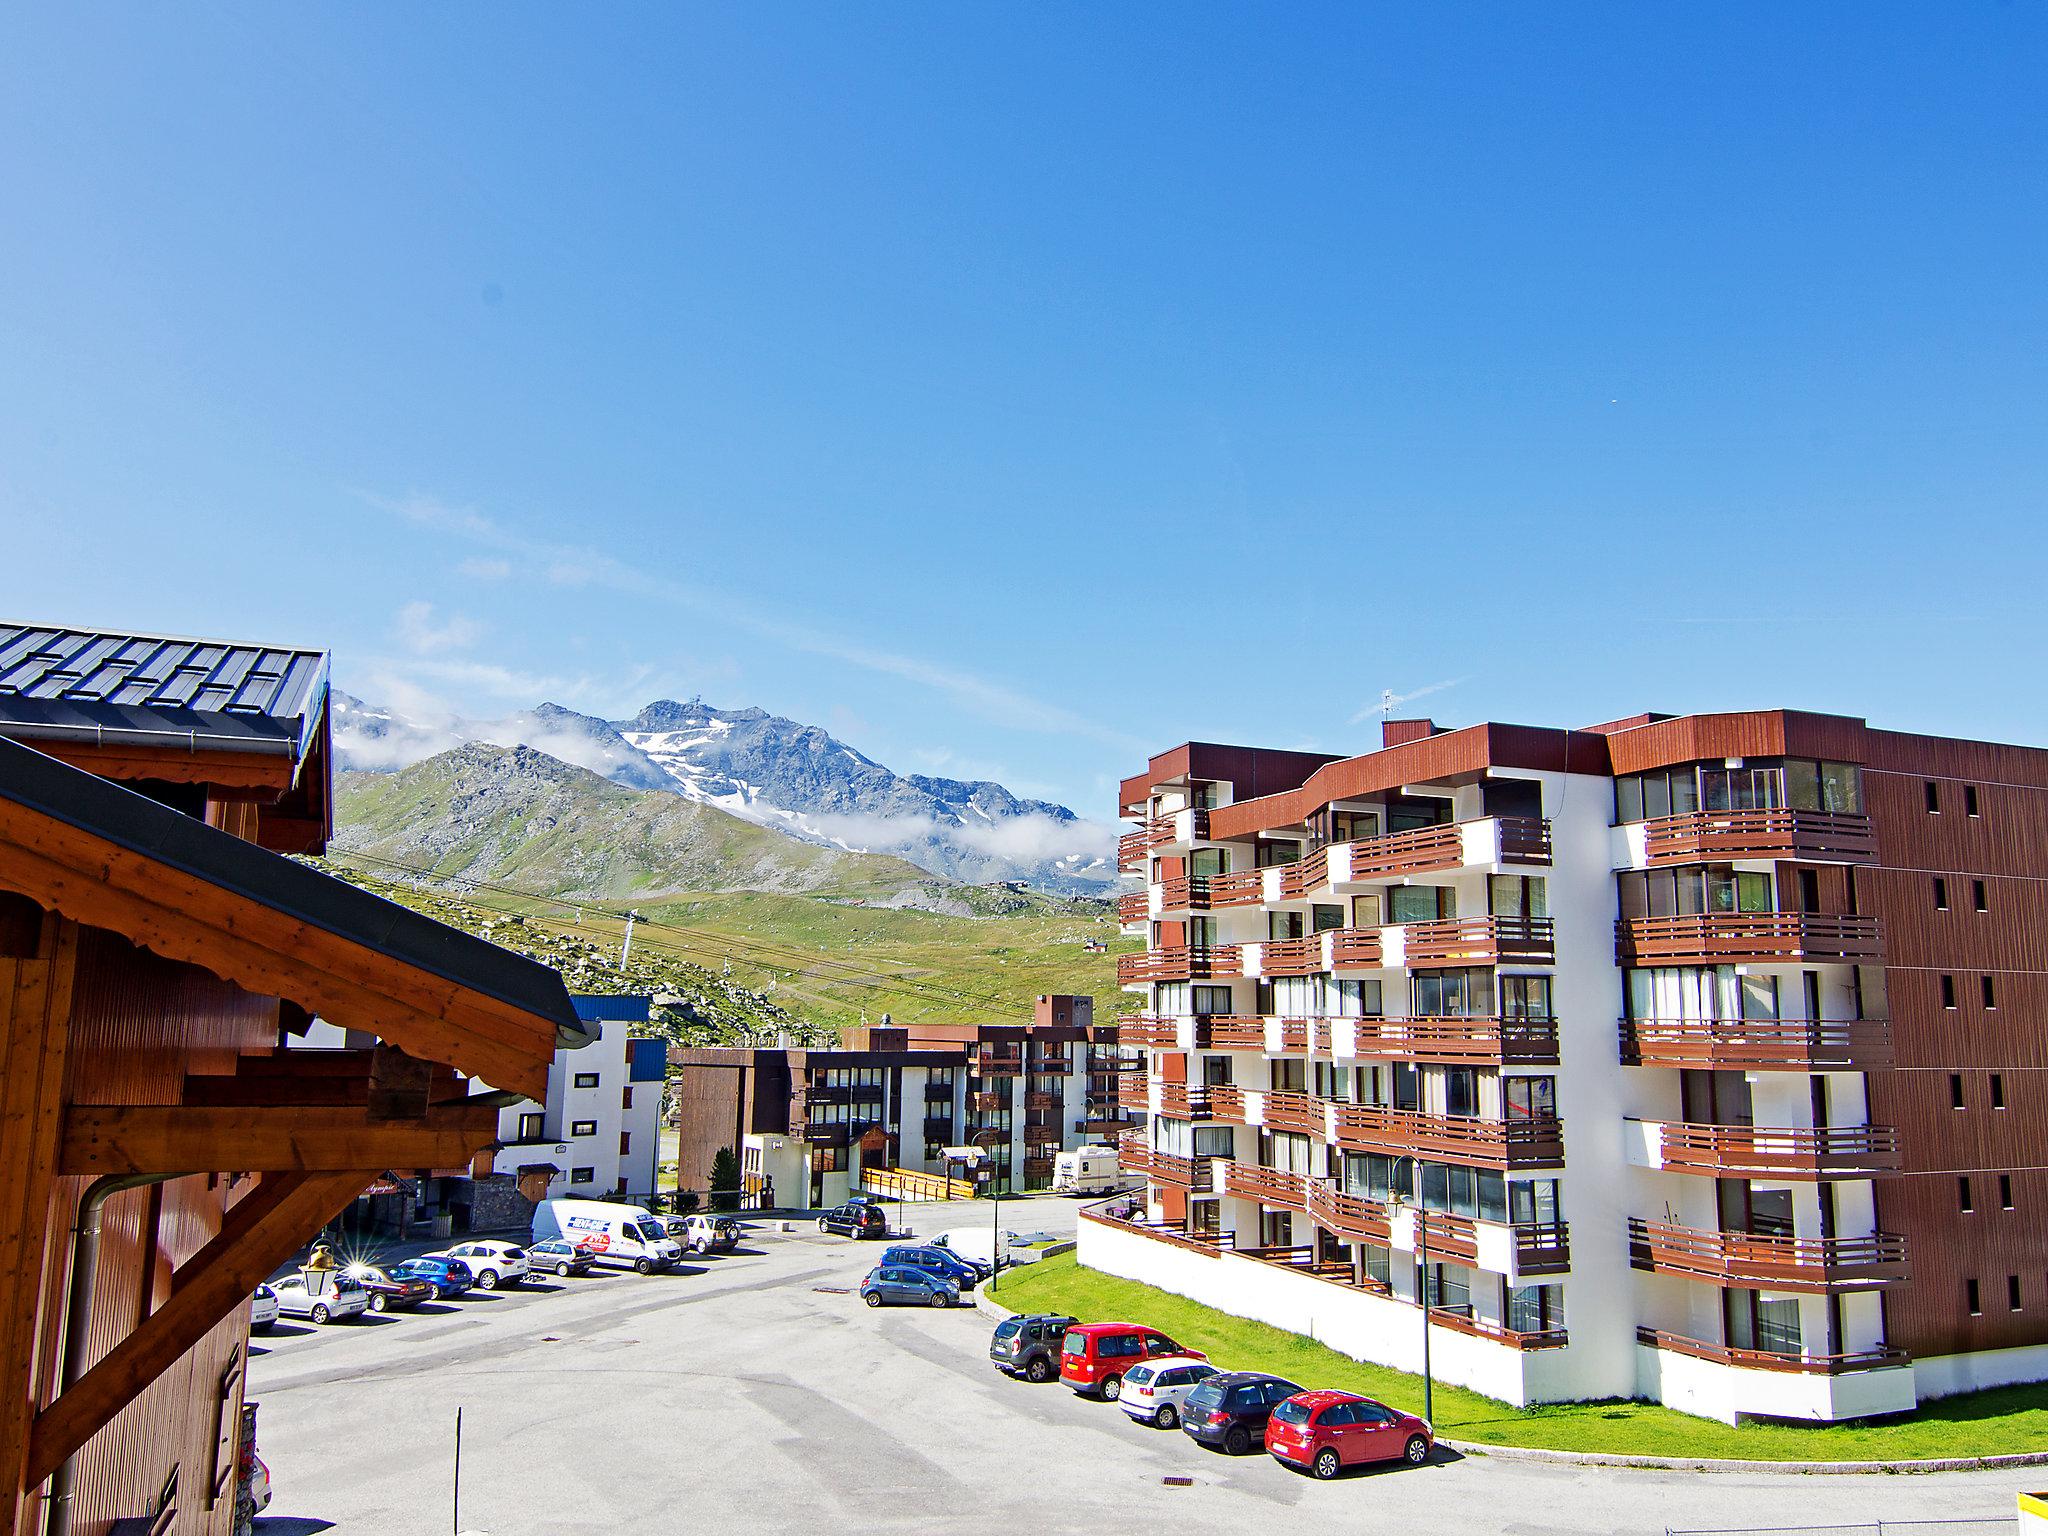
1696, 1059
598, 1132
810, 1123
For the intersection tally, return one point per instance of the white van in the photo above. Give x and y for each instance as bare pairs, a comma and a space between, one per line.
1087, 1171
614, 1234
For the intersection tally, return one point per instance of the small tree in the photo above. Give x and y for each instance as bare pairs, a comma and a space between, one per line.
725, 1180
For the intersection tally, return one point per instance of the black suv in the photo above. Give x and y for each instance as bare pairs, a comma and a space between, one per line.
1231, 1411
1028, 1345
855, 1219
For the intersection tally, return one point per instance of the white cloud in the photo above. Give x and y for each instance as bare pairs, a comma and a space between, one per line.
568, 564
1023, 840
1392, 700
416, 630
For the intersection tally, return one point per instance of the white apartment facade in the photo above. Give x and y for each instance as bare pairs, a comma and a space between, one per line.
599, 1130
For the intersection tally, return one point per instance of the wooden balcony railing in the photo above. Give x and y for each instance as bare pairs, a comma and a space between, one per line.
1122, 1214
1305, 875
1132, 847
1480, 941
1352, 1218
1454, 1040
1781, 1152
988, 1103
1231, 1031
1239, 888
996, 1063
1133, 907
1768, 1263
1771, 1360
1178, 964
1041, 1101
1758, 1045
1183, 1100
1147, 1030
1185, 893
1542, 1247
1809, 837
1524, 840
1135, 1156
1268, 1186
1294, 1112
1461, 1320
1355, 949
1291, 957
1531, 1143
1717, 938
1407, 853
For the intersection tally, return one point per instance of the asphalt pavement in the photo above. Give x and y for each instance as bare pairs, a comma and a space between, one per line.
752, 1392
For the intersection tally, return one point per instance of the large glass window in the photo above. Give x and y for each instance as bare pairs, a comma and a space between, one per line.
1535, 1308
1374, 1176
1518, 895
1461, 1091
1529, 1098
1421, 903
1534, 1200
1525, 999
1211, 999
1286, 1151
1459, 994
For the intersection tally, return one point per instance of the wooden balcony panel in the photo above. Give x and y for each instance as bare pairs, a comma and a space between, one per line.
1462, 1321
1291, 957
1455, 1041
1807, 837
1186, 893
1294, 1112
1133, 907
1305, 876
1179, 964
1235, 1031
1147, 1030
1132, 847
1239, 888
988, 1103
1524, 840
1356, 949
1533, 1143
1542, 1247
1719, 938
1481, 941
1770, 1360
1768, 1263
1352, 1218
1268, 1186
1183, 1100
1420, 851
1041, 1101
1758, 1045
1781, 1152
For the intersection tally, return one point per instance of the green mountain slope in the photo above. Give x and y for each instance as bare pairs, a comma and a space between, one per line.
514, 816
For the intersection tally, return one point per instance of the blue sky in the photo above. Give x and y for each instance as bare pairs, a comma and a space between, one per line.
1016, 389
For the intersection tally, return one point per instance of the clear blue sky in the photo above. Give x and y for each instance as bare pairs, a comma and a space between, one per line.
1017, 388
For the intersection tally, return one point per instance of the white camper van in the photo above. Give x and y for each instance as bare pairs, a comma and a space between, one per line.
614, 1234
1087, 1171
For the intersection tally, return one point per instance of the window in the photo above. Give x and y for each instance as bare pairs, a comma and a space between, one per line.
2005, 1191
626, 1099
1463, 994
1529, 1098
1212, 1000
1969, 800
2012, 1292
1421, 903
625, 1142
1979, 897
1321, 918
582, 1175
1940, 894
582, 1127
1535, 1308
1933, 799
1990, 993
1963, 1201
1518, 895
1525, 999
532, 1127
586, 1079
1998, 1090
1970, 1298
1955, 1090
1948, 991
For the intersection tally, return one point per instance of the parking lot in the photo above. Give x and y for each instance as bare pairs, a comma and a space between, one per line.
752, 1392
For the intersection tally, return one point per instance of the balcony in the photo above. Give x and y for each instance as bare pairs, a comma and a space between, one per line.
988, 1103
938, 1093
1133, 907
1268, 1186
1179, 827
1722, 938
1757, 1262
1454, 1041
1778, 1152
1239, 888
1147, 1030
938, 1128
1531, 1143
1041, 1102
1353, 1218
1422, 850
1184, 893
1772, 1360
1179, 964
1480, 941
1332, 949
1806, 837
1183, 1101
1758, 1045
1232, 1031
996, 1063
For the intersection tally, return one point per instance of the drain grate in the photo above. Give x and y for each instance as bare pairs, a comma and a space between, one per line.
1178, 1482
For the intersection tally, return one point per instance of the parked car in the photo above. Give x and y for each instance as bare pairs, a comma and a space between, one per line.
444, 1277
1326, 1432
563, 1257
1154, 1389
263, 1310
322, 1295
1230, 1411
705, 1234
259, 1483
492, 1262
964, 1273
615, 1233
1095, 1356
910, 1287
388, 1290
1028, 1345
856, 1218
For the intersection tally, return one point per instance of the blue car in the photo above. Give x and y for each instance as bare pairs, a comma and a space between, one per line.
448, 1277
904, 1286
937, 1261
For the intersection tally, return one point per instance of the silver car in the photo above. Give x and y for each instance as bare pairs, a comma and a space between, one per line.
1153, 1392
322, 1295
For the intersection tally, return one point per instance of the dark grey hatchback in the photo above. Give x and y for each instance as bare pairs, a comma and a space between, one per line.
1231, 1411
1028, 1345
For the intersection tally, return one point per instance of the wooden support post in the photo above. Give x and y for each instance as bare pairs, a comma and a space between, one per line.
35, 1016
260, 1232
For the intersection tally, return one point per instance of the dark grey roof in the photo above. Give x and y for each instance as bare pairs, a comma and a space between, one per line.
113, 686
142, 825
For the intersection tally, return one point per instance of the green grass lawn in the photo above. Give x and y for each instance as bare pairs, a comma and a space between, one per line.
1998, 1422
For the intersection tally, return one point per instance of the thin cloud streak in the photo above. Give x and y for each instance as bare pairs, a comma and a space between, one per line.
569, 565
1392, 701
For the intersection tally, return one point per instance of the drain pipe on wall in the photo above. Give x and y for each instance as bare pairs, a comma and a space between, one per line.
85, 1258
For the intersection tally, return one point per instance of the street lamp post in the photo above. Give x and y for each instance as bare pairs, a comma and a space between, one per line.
1422, 1291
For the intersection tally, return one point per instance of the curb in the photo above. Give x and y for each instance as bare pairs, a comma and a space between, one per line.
989, 1307
1711, 1464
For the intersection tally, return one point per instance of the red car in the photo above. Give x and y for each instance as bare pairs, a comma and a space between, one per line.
1326, 1432
1094, 1356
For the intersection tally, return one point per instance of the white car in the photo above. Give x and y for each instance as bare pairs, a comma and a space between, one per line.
493, 1263
263, 1310
1153, 1392
322, 1295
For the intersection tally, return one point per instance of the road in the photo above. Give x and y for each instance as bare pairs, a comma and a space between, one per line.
753, 1393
